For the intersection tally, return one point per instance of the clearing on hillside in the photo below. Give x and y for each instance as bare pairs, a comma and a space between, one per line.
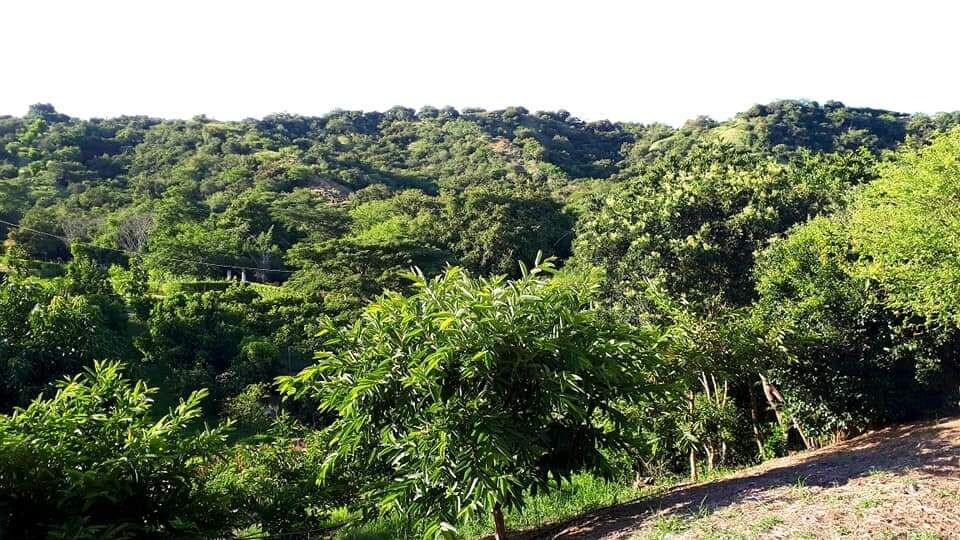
899, 482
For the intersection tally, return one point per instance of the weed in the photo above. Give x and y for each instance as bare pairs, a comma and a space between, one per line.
767, 523
949, 494
667, 525
875, 472
715, 532
582, 494
923, 535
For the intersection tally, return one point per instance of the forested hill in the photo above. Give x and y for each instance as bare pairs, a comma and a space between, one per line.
482, 188
708, 296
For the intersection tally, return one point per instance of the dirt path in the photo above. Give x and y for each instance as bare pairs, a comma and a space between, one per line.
900, 482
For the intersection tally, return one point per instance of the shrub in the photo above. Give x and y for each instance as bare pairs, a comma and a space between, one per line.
467, 395
94, 462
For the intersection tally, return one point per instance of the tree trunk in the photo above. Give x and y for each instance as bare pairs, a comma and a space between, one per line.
755, 422
810, 444
773, 397
501, 528
693, 449
710, 457
693, 464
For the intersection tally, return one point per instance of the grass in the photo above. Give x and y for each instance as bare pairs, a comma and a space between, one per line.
378, 530
715, 532
923, 535
800, 491
767, 523
879, 473
947, 494
667, 525
582, 494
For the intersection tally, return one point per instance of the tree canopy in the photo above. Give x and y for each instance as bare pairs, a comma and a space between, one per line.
470, 393
344, 291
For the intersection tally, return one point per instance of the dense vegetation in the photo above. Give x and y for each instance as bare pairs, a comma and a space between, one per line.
343, 301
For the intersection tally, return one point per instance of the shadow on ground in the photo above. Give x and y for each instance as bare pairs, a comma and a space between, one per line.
931, 448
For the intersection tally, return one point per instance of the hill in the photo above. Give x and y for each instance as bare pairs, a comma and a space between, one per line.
590, 302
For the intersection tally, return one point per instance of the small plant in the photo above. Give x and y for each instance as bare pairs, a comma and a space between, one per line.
948, 494
714, 532
666, 525
799, 489
875, 472
767, 523
923, 535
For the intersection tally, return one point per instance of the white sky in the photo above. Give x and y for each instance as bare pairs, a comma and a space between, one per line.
665, 60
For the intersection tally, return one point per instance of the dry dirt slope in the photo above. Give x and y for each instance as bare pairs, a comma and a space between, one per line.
900, 482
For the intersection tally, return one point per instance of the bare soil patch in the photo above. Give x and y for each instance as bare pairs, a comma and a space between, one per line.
899, 482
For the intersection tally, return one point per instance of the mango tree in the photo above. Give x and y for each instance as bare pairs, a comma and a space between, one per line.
472, 392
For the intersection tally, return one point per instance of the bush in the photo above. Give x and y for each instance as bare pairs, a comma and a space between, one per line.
177, 287
94, 462
273, 485
247, 408
473, 392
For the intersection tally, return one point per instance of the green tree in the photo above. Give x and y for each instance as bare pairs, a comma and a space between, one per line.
94, 461
468, 394
44, 336
489, 229
905, 229
852, 360
694, 221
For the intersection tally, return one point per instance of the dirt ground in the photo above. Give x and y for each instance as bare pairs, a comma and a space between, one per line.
900, 482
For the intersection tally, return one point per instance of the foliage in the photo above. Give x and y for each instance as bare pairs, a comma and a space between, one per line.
796, 262
247, 408
467, 394
93, 461
905, 229
272, 484
44, 336
853, 361
490, 231
695, 221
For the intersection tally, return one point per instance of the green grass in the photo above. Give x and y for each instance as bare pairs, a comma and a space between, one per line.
667, 525
583, 494
923, 535
767, 523
714, 532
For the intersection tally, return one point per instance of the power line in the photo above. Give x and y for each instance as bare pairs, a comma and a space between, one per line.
68, 242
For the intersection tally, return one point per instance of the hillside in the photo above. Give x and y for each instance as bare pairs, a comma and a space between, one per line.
440, 323
899, 482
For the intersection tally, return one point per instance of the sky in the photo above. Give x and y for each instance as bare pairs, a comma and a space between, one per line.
644, 61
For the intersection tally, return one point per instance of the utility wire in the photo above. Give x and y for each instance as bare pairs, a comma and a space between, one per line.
68, 242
